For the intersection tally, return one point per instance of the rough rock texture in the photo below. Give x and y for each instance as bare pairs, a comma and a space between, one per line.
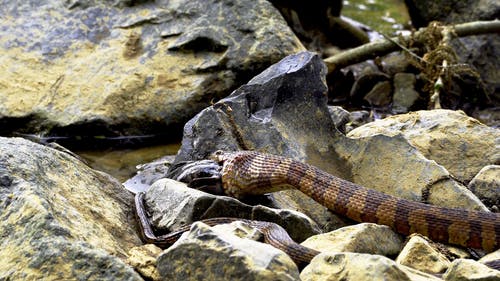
354, 266
138, 67
143, 260
172, 204
61, 220
492, 258
367, 80
205, 253
366, 238
283, 111
380, 95
486, 184
469, 270
458, 142
340, 117
419, 254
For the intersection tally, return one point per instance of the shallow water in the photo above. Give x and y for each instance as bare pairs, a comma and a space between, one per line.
121, 163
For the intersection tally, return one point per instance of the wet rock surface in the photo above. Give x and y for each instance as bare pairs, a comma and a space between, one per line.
136, 68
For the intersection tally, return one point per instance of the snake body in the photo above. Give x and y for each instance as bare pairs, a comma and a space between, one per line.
246, 172
273, 234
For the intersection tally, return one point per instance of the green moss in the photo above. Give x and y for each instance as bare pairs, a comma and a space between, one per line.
386, 16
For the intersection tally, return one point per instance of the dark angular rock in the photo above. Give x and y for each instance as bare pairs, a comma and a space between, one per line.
365, 83
260, 114
380, 95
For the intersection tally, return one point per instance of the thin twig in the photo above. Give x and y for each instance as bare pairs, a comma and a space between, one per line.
383, 47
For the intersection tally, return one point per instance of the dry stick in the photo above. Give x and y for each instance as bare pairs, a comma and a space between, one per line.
383, 47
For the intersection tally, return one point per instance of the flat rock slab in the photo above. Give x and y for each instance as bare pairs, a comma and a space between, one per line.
129, 69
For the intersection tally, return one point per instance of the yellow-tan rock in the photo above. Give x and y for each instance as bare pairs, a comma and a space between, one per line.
205, 253
354, 266
143, 260
466, 269
419, 254
133, 69
367, 238
60, 219
460, 143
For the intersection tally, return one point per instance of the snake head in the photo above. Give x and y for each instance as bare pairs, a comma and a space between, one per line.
220, 156
204, 175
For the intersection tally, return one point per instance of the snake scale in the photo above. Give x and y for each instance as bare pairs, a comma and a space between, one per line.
252, 173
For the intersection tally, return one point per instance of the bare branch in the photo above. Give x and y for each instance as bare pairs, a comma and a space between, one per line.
383, 47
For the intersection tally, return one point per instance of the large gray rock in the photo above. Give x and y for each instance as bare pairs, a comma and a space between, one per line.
60, 219
145, 68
